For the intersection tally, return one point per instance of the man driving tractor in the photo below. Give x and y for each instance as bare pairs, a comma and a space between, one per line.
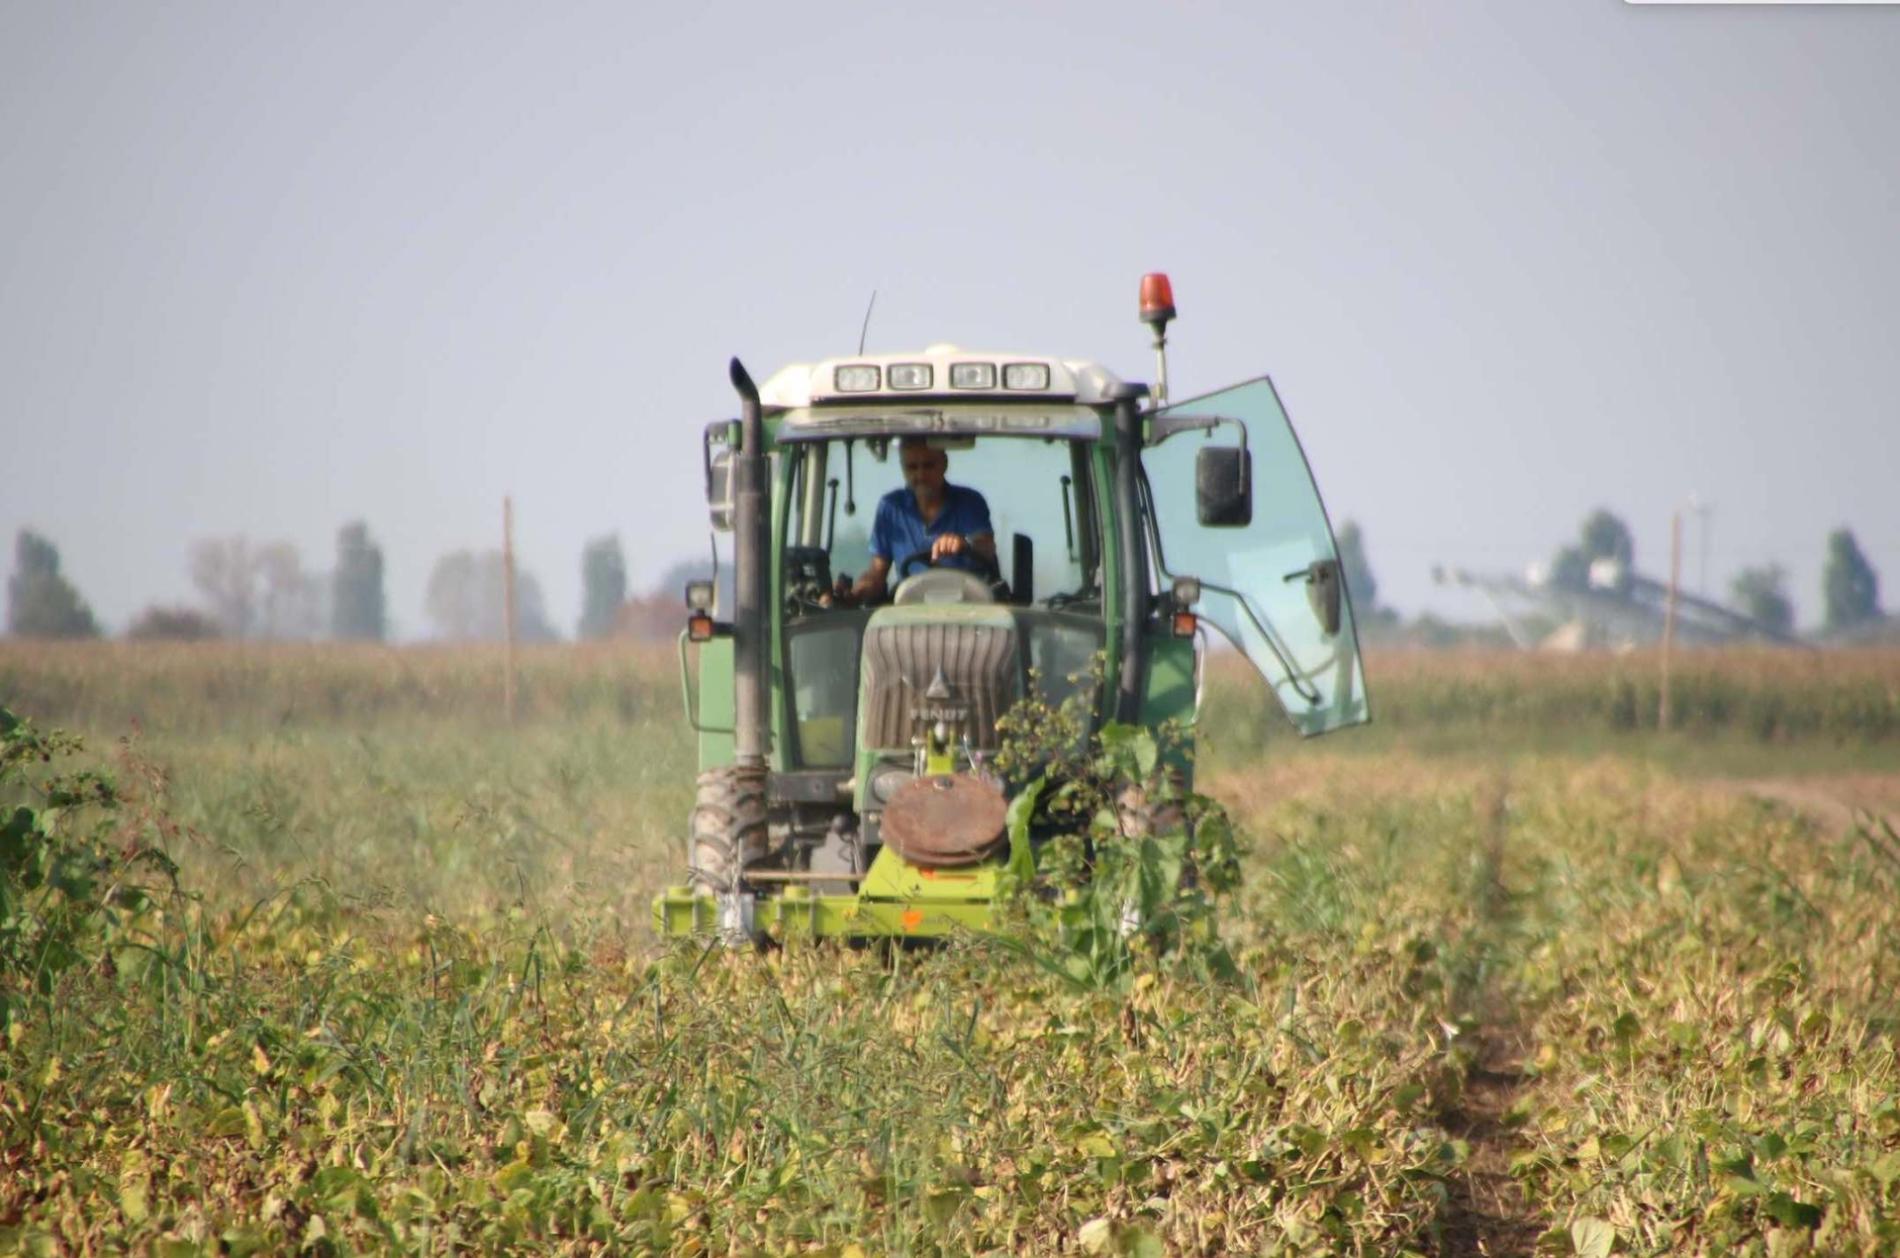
845, 729
927, 515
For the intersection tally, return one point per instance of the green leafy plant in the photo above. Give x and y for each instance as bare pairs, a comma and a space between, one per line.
1112, 857
69, 885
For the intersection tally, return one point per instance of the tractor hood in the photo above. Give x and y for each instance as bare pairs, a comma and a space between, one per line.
955, 664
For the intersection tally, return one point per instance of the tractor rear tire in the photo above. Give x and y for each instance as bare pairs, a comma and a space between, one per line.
728, 828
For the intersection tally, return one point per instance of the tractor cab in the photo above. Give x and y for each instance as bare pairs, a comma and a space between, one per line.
846, 723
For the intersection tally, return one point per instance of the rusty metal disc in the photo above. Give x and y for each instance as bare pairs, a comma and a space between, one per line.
943, 821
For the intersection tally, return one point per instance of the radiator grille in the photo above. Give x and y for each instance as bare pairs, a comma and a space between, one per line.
979, 663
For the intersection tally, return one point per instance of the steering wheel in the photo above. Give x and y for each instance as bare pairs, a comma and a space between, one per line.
986, 567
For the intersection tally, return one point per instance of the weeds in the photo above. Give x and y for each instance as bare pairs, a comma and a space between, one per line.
1113, 860
73, 892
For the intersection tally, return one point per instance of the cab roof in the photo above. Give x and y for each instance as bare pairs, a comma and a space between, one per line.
941, 373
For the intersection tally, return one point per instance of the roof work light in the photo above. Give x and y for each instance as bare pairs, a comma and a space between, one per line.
973, 375
908, 375
1026, 376
855, 378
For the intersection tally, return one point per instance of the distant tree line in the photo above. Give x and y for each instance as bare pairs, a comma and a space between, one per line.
1850, 589
41, 603
255, 591
246, 590
466, 600
603, 587
263, 591
1761, 593
357, 607
1362, 588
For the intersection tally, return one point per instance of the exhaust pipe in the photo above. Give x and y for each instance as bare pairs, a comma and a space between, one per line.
1135, 600
750, 633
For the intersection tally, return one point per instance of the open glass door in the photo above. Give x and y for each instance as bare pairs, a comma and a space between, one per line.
1270, 577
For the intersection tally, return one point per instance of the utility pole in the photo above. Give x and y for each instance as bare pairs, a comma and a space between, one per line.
508, 608
1669, 615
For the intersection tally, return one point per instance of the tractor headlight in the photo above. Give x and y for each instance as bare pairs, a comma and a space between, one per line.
973, 375
859, 378
909, 375
1026, 376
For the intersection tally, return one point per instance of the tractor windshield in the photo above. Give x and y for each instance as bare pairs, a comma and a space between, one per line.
1038, 493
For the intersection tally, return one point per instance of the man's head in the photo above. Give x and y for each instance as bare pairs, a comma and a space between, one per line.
924, 466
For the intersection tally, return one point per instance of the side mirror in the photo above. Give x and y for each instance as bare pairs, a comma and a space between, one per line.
1223, 486
719, 444
719, 503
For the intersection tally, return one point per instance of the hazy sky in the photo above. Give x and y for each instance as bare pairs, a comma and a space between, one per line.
265, 268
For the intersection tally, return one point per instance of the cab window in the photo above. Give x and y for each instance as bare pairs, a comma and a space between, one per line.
1036, 488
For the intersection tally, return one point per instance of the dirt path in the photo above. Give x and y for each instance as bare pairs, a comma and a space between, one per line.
1485, 1211
1836, 804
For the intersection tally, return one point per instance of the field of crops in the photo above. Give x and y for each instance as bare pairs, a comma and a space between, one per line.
1517, 974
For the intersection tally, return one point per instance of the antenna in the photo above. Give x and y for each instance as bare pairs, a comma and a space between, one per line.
866, 328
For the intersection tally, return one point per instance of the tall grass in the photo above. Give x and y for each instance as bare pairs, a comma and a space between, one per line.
210, 687
1844, 696
1764, 695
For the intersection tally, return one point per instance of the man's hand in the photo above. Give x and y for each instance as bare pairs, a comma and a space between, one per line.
948, 544
983, 544
870, 587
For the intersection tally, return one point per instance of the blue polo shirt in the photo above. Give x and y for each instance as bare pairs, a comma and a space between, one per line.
899, 530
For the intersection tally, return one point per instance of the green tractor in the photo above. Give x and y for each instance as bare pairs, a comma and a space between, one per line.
846, 729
